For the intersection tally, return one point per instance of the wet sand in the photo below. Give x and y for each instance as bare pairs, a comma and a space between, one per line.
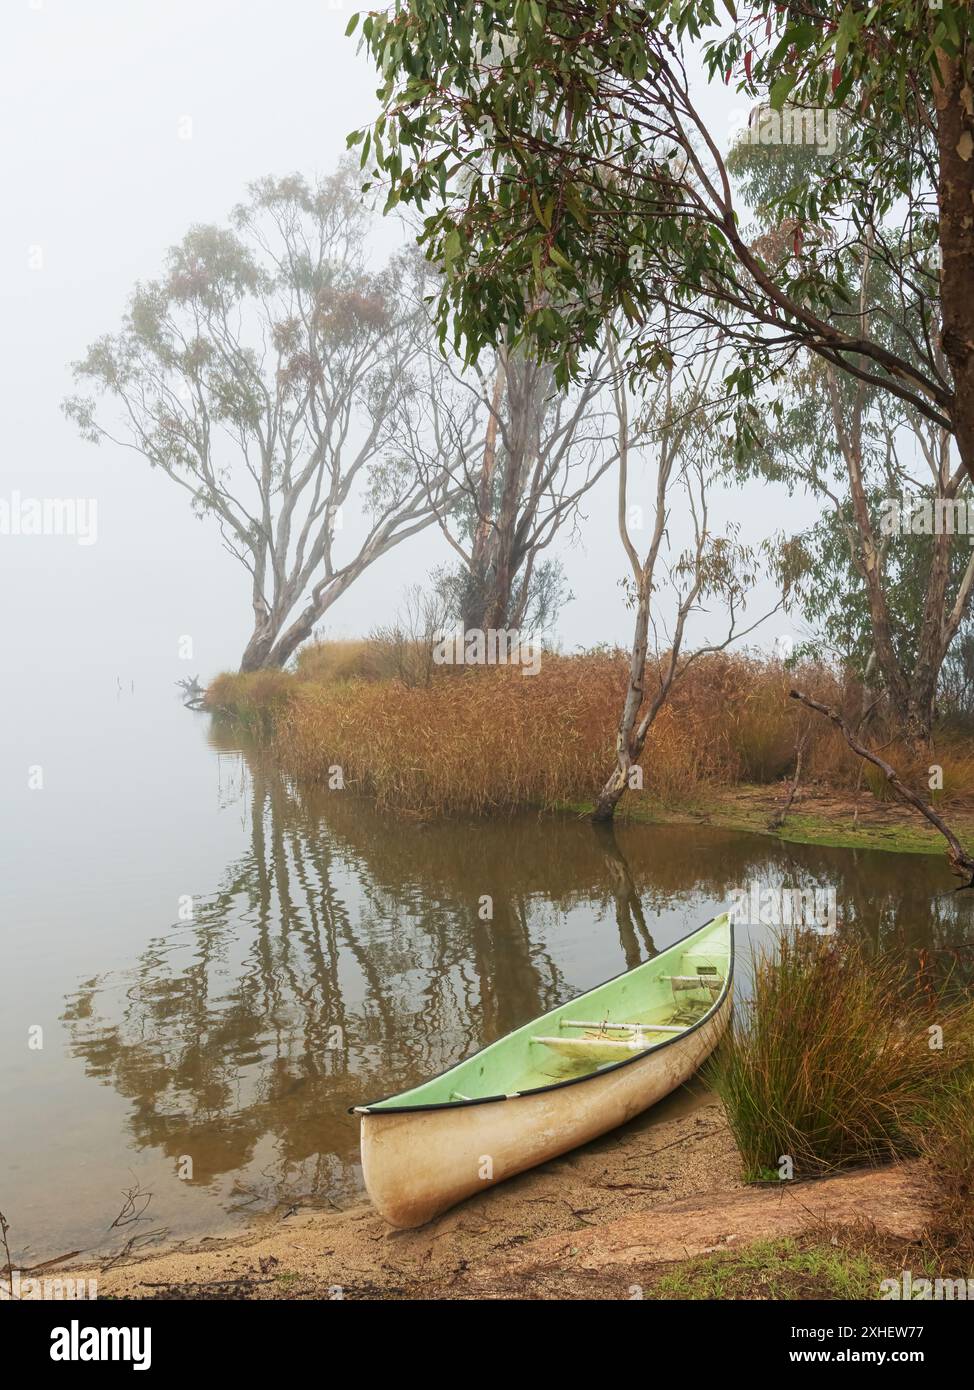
588, 1225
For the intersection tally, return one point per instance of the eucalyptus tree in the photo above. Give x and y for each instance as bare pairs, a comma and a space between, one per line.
890, 574
266, 372
521, 454
888, 583
671, 427
559, 151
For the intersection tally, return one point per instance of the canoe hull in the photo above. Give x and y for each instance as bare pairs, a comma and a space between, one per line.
420, 1163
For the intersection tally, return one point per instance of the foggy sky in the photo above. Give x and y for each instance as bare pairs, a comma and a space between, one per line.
98, 97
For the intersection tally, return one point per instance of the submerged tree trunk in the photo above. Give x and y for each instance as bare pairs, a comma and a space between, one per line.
605, 806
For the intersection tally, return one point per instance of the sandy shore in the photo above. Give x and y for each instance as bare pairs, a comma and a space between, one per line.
590, 1224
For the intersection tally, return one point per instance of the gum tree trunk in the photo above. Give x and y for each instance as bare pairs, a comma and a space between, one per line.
629, 745
955, 138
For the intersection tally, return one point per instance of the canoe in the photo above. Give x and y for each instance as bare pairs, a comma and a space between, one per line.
557, 1082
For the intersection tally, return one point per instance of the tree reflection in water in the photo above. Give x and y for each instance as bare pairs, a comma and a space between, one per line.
345, 957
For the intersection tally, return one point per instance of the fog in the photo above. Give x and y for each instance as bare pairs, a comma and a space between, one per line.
124, 123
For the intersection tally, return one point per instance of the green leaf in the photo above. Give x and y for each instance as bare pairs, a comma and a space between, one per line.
848, 27
781, 89
452, 248
632, 313
539, 210
576, 205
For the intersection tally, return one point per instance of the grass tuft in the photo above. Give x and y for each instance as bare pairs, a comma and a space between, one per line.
830, 1063
944, 1135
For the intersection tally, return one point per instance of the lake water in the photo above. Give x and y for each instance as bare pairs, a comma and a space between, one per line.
205, 966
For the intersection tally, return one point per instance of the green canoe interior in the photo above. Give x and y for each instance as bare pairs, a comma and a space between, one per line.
623, 1018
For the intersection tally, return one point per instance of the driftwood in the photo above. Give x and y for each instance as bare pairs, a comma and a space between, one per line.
193, 693
4, 1228
46, 1264
959, 860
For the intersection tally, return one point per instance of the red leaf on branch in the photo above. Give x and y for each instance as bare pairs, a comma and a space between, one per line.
836, 77
748, 60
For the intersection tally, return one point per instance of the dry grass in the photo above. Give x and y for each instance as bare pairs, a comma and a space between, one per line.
944, 1135
830, 1061
328, 662
730, 720
480, 740
475, 741
945, 776
257, 700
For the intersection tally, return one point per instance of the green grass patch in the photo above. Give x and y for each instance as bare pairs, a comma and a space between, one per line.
788, 1268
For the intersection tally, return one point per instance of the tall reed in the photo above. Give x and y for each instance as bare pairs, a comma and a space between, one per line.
491, 739
830, 1062
944, 1136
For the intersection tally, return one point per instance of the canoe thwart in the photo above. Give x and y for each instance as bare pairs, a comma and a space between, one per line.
583, 1046
694, 979
632, 1027
680, 984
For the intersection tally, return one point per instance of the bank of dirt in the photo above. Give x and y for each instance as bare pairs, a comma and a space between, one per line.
819, 815
593, 1224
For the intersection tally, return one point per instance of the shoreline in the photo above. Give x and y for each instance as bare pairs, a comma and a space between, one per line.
832, 818
486, 744
819, 816
641, 1200
636, 1208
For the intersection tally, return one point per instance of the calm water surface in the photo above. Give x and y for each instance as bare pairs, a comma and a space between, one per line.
217, 963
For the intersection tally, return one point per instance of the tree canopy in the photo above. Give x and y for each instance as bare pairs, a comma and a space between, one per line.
566, 174
266, 372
